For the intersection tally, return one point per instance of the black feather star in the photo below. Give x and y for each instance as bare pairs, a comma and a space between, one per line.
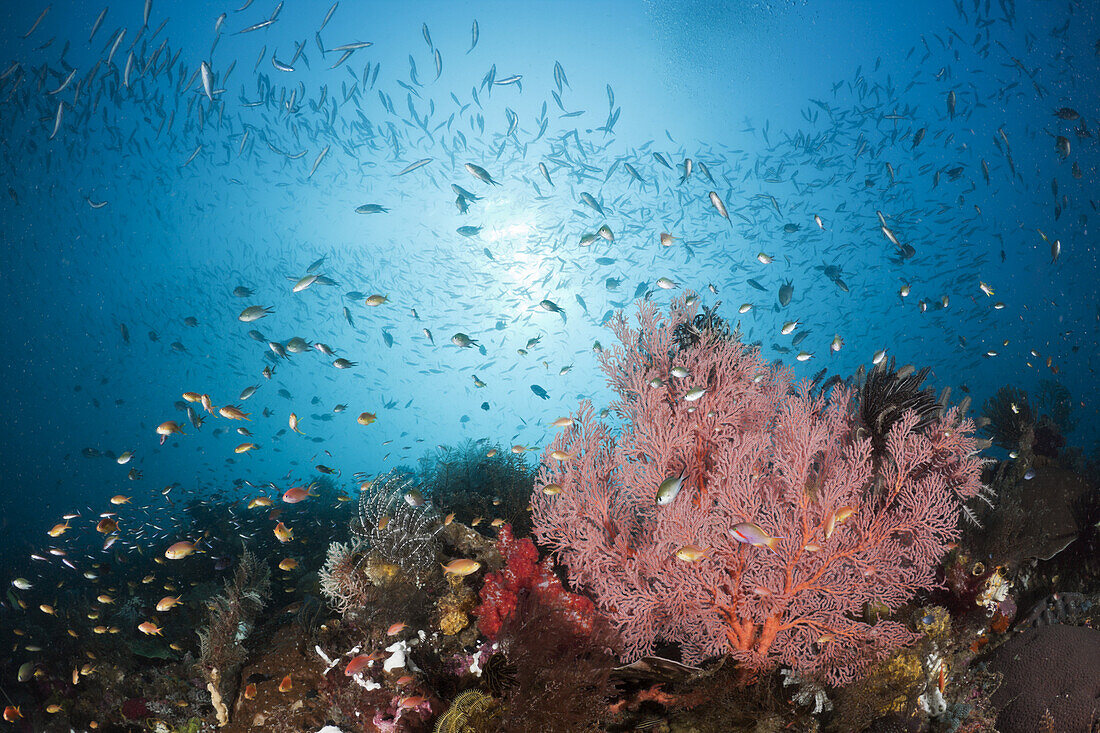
499, 674
885, 394
706, 324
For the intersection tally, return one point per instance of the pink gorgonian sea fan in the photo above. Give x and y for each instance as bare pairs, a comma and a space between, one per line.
785, 528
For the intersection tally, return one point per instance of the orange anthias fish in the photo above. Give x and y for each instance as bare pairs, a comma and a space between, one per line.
179, 550
461, 567
259, 501
150, 628
296, 494
691, 553
396, 628
359, 663
230, 412
283, 533
168, 427
250, 691
286, 685
835, 518
106, 526
59, 529
168, 603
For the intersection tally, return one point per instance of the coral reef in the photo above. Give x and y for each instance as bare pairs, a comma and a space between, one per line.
539, 656
231, 618
785, 541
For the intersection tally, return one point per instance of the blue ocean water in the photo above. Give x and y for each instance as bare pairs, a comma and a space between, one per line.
152, 201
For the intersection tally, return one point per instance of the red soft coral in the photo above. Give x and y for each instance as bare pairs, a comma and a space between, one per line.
522, 572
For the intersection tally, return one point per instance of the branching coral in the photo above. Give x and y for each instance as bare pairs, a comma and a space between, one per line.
775, 542
231, 619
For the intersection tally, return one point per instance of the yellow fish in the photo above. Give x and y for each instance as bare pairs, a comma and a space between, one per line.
691, 553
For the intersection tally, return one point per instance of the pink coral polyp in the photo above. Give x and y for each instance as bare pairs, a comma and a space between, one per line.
753, 449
